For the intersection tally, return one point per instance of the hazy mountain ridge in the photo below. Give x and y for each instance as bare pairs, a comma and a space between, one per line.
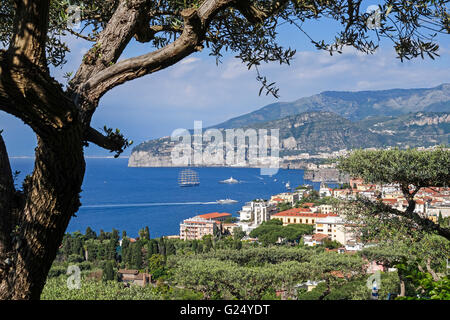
315, 132
336, 120
353, 105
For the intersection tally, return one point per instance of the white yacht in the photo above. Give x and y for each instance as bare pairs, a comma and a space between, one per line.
230, 181
226, 201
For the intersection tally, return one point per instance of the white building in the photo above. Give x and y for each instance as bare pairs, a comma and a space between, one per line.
290, 197
324, 191
256, 211
314, 239
335, 228
326, 208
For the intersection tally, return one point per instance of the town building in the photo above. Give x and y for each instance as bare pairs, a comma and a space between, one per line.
314, 239
324, 191
336, 228
134, 277
257, 212
289, 197
229, 228
216, 216
298, 216
204, 224
326, 208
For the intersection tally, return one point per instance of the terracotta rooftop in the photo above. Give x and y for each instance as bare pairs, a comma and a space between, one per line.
301, 212
319, 236
214, 215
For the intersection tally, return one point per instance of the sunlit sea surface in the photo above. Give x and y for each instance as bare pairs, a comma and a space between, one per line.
116, 196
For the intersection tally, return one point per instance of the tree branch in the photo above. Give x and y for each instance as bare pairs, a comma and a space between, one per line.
30, 32
424, 223
196, 22
255, 15
111, 41
114, 142
99, 71
29, 93
7, 192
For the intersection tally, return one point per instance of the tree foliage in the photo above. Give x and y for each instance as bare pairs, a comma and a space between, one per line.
405, 167
412, 170
269, 232
251, 273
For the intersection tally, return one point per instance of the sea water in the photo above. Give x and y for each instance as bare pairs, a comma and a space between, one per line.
116, 196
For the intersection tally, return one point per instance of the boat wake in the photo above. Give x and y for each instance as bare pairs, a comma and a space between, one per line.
151, 204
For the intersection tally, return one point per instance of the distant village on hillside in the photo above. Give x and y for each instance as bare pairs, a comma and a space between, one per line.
327, 220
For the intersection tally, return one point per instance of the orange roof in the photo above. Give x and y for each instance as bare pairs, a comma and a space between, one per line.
214, 215
319, 236
309, 204
278, 199
193, 222
301, 212
429, 190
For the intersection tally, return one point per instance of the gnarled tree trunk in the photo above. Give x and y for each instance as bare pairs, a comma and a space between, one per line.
51, 198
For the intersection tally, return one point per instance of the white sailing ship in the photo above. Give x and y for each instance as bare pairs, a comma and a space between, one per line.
188, 178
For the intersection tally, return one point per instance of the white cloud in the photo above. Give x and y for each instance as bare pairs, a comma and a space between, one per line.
189, 60
197, 89
234, 69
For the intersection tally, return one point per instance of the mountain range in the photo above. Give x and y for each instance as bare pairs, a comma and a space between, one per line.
333, 120
353, 105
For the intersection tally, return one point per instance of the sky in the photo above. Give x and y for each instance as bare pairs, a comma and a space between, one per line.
197, 89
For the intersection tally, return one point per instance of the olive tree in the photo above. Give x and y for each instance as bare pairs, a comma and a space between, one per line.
412, 170
33, 221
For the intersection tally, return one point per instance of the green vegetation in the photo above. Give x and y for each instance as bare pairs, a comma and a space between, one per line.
412, 169
314, 198
230, 220
253, 273
352, 290
413, 244
269, 232
406, 167
218, 268
91, 289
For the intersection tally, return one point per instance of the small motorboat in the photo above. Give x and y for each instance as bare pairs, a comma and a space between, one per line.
229, 181
226, 201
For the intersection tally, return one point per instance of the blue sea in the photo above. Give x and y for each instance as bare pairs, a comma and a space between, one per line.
116, 196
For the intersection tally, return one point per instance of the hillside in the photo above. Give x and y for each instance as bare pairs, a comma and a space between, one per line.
315, 132
353, 106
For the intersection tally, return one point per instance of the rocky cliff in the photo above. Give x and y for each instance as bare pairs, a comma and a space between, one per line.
323, 132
